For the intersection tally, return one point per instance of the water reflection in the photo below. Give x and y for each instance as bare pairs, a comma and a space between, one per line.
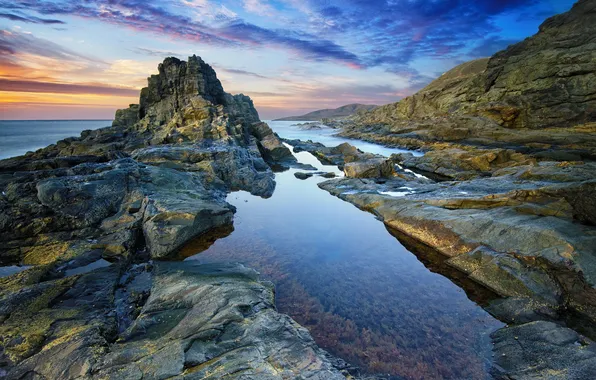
361, 293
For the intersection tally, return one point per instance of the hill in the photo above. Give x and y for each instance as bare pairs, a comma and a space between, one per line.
342, 111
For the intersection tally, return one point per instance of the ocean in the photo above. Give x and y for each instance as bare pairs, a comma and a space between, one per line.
18, 137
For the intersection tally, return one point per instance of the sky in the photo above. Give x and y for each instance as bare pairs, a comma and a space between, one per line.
84, 59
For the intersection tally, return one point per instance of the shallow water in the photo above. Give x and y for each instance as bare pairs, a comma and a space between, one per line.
12, 269
338, 271
290, 130
18, 137
363, 296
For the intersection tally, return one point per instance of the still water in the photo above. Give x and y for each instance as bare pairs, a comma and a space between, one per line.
290, 130
18, 137
340, 273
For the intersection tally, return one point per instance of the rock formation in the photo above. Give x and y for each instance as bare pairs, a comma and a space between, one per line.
537, 96
85, 218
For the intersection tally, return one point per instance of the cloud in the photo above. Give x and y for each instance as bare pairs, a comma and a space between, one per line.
141, 16
30, 19
304, 44
355, 33
245, 73
258, 7
15, 43
158, 53
64, 88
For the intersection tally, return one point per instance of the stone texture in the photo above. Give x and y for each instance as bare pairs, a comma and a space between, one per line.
543, 350
195, 321
371, 168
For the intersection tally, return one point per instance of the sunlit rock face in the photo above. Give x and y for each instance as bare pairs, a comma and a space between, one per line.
186, 102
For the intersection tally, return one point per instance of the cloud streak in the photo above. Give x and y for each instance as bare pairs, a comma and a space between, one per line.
30, 19
64, 88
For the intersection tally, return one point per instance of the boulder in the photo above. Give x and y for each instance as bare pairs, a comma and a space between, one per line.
371, 168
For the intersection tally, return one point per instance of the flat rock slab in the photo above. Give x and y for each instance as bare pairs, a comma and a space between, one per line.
197, 321
213, 321
544, 350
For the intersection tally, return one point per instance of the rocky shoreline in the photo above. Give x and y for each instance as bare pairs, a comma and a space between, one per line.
95, 225
505, 190
90, 220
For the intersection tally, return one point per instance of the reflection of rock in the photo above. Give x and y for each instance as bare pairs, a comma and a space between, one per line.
302, 175
203, 242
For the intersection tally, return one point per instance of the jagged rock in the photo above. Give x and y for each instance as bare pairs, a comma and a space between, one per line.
270, 145
126, 117
87, 214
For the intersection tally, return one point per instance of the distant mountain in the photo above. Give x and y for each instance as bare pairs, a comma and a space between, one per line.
342, 111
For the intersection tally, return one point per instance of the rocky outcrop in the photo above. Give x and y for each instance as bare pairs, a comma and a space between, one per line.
537, 96
543, 350
89, 218
108, 325
371, 168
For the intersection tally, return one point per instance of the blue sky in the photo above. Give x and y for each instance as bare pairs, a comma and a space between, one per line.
84, 59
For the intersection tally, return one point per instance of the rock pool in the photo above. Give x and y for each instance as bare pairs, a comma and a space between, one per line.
340, 273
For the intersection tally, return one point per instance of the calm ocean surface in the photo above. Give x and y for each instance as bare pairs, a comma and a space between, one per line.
17, 137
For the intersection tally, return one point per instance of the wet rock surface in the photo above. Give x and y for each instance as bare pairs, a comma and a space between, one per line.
87, 216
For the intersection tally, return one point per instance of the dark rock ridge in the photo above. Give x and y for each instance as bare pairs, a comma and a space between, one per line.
319, 115
537, 96
87, 216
